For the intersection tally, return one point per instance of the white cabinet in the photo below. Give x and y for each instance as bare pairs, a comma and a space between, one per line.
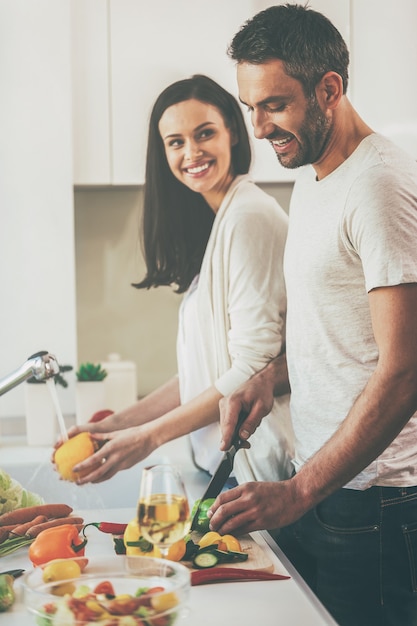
91, 98
126, 51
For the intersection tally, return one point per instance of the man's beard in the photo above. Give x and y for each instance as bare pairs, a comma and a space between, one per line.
314, 136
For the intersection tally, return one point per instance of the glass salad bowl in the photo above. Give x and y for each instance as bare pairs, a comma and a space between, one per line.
119, 591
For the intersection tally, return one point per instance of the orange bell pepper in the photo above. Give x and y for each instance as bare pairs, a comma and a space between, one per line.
59, 542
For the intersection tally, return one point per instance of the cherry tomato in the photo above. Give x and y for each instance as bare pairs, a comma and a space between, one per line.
105, 587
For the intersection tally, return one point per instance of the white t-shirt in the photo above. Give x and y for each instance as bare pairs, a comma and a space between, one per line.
349, 233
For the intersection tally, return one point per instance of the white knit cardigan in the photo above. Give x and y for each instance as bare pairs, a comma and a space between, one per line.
241, 307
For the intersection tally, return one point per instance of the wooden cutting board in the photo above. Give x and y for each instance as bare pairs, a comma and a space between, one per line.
257, 559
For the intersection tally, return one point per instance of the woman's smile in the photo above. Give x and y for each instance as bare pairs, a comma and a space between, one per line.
198, 168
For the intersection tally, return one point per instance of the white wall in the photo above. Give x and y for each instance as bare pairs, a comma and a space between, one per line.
383, 67
37, 275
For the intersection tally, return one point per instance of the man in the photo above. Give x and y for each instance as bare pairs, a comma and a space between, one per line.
348, 516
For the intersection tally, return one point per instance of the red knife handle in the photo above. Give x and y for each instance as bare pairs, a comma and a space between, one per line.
224, 574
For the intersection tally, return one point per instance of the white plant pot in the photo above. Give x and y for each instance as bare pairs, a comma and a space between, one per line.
90, 397
41, 420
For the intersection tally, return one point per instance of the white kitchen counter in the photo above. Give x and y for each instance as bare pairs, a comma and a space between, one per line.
288, 602
226, 604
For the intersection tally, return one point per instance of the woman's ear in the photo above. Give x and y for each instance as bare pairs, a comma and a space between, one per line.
329, 90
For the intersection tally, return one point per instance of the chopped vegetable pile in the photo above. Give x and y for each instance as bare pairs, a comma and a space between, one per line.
149, 606
214, 549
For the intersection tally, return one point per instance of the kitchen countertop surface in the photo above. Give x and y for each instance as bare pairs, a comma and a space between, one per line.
288, 602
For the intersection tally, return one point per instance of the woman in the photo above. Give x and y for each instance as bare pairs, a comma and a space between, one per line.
210, 232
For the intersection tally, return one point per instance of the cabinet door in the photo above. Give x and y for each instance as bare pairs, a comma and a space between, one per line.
384, 58
91, 92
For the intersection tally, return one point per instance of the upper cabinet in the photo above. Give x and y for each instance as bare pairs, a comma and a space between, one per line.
125, 52
91, 97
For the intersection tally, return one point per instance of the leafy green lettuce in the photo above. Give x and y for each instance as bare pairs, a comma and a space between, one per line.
14, 496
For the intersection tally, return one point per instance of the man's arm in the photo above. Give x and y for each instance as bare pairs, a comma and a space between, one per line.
256, 397
378, 415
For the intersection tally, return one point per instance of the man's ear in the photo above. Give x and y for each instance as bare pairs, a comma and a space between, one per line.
329, 90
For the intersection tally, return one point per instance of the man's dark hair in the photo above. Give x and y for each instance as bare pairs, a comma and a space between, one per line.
305, 40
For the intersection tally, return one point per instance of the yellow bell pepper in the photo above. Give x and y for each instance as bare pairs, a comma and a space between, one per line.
137, 545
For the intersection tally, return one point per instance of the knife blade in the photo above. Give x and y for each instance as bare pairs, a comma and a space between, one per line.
14, 572
224, 469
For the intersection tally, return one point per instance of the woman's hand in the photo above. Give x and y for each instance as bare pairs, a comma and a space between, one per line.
119, 450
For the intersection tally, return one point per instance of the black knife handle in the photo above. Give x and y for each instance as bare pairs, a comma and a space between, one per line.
236, 440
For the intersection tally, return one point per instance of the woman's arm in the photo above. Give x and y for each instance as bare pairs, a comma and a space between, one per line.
157, 403
123, 448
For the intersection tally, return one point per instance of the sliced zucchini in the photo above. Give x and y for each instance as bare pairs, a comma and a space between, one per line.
238, 556
204, 560
191, 549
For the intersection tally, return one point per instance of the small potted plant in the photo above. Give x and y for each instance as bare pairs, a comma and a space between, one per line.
90, 395
40, 411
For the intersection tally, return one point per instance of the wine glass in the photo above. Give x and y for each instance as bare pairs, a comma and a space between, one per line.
163, 509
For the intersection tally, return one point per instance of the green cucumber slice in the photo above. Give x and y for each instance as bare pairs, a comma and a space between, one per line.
204, 560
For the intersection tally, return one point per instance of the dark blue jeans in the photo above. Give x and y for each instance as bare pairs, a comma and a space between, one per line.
357, 550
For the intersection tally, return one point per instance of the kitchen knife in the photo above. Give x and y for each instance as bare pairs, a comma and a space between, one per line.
14, 572
223, 470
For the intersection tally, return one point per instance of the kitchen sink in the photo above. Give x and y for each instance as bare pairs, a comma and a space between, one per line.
33, 469
120, 491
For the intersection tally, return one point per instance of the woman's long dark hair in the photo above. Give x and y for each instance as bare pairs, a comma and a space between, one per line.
177, 221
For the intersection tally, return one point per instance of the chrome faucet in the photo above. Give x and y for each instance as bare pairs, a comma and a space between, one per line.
41, 365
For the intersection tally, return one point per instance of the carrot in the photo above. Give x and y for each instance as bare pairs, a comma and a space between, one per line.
21, 529
35, 530
4, 534
8, 528
20, 516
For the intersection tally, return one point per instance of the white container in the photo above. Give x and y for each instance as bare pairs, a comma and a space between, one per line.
120, 383
41, 421
90, 397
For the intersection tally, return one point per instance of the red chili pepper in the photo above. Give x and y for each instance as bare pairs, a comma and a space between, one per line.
223, 574
111, 528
